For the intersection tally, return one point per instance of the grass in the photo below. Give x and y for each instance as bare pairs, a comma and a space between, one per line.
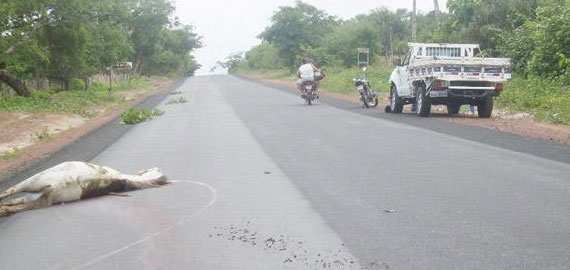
73, 101
177, 100
43, 135
134, 116
340, 79
269, 74
10, 154
548, 100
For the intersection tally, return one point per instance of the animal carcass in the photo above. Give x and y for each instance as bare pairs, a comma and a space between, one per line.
72, 181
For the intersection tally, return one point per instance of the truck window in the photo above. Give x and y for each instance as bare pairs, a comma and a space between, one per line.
443, 52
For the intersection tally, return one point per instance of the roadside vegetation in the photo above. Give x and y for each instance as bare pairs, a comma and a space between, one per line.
14, 153
534, 34
74, 101
134, 116
177, 100
43, 135
67, 42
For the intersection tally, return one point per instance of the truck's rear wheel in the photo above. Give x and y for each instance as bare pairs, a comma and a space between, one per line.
453, 108
485, 108
396, 103
424, 104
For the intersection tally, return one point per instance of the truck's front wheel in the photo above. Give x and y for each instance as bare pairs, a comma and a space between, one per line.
396, 103
485, 108
424, 104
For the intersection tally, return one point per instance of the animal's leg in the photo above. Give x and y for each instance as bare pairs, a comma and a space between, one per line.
27, 203
21, 200
9, 192
18, 189
12, 209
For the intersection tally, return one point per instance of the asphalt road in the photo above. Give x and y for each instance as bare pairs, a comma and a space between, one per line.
263, 181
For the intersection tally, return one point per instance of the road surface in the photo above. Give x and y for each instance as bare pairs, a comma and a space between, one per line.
262, 181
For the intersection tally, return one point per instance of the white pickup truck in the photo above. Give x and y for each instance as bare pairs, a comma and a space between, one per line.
447, 74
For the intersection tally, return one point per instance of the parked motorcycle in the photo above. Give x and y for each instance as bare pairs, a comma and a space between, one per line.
367, 94
310, 95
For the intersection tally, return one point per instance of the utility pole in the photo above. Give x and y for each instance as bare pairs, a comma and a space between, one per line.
414, 22
436, 7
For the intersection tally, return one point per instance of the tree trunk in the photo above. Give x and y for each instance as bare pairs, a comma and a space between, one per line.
87, 81
137, 66
436, 6
38, 78
66, 84
15, 83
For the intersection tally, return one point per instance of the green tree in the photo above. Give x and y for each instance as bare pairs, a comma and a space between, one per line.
232, 62
173, 52
20, 52
293, 27
149, 19
67, 39
551, 38
264, 57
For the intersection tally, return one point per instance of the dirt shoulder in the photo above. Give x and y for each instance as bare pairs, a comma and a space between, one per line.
26, 138
503, 121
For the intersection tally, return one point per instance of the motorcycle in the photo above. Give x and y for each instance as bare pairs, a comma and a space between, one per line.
367, 94
310, 96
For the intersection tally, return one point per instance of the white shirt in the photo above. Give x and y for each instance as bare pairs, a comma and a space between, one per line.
307, 72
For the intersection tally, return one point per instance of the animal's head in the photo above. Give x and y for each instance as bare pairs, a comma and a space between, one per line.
154, 174
151, 170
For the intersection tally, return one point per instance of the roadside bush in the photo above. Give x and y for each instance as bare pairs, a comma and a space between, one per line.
76, 84
177, 100
79, 102
134, 116
263, 57
14, 153
339, 79
547, 100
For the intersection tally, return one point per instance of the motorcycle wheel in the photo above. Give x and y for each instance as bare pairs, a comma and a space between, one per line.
374, 102
364, 99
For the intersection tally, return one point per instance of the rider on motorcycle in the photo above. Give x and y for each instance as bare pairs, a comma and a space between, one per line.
308, 71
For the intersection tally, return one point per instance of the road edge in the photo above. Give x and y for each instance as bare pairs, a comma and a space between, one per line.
514, 142
87, 146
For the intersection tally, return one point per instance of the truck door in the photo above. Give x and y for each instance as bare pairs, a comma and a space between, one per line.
404, 88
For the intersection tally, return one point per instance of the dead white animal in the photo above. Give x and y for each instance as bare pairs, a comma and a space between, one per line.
72, 181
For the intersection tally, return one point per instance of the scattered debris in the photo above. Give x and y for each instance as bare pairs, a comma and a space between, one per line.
294, 250
504, 115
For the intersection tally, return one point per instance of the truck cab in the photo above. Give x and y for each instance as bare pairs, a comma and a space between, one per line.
447, 74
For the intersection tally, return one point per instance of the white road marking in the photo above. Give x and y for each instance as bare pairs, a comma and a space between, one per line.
160, 232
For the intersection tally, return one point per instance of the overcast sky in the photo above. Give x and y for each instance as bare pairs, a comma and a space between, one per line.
229, 26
